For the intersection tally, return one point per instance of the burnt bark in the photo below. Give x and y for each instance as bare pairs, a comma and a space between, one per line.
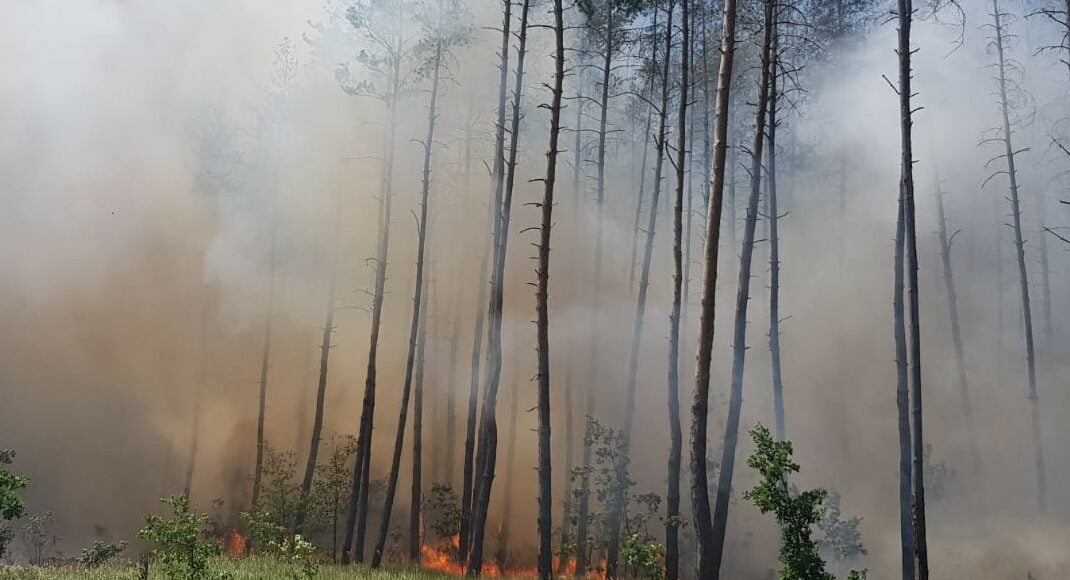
417, 306
488, 428
773, 221
542, 299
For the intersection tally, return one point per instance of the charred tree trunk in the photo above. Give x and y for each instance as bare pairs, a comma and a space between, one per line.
488, 428
902, 401
1019, 246
617, 506
502, 555
708, 551
451, 392
946, 240
672, 493
583, 517
321, 387
542, 300
357, 513
265, 359
417, 306
416, 489
917, 440
739, 339
774, 239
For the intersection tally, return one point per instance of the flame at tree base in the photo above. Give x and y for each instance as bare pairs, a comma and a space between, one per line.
443, 558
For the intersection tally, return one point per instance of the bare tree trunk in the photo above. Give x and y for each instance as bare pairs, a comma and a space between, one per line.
672, 493
708, 552
416, 489
321, 388
265, 360
488, 428
917, 440
198, 396
451, 391
774, 239
946, 240
417, 306
583, 518
1019, 244
542, 299
617, 506
502, 555
739, 340
902, 400
473, 379
632, 262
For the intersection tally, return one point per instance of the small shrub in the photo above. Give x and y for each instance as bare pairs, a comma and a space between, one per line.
11, 505
643, 557
180, 544
100, 553
299, 555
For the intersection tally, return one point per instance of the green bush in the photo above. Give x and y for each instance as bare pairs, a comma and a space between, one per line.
100, 553
11, 505
181, 547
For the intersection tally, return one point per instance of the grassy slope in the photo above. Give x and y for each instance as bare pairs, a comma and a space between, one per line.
239, 569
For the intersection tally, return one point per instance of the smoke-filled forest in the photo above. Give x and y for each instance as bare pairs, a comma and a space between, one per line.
698, 289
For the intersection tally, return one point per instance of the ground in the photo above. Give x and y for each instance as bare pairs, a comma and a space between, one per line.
238, 569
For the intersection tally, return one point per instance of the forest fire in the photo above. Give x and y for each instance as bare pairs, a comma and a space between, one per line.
235, 542
442, 558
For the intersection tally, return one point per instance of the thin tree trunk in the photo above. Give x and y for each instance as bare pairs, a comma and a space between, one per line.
902, 400
917, 440
1019, 245
198, 396
774, 241
416, 489
488, 429
542, 301
672, 494
583, 519
617, 505
946, 240
265, 359
632, 262
739, 340
357, 514
451, 391
417, 306
708, 553
321, 387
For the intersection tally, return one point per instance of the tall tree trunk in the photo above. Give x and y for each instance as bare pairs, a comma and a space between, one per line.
708, 552
902, 401
774, 238
416, 489
467, 475
321, 387
917, 440
1019, 245
417, 306
739, 339
488, 428
198, 395
265, 358
583, 517
617, 504
632, 263
672, 493
451, 391
542, 301
946, 240
502, 555
357, 513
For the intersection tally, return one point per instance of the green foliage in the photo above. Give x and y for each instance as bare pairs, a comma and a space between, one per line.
298, 557
180, 543
11, 505
796, 513
443, 511
100, 553
643, 556
263, 529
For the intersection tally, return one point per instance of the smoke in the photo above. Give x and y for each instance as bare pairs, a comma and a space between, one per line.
147, 144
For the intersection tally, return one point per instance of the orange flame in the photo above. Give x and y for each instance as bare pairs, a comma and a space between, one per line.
442, 558
235, 542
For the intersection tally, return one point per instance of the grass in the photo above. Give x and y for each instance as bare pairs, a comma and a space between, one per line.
250, 568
